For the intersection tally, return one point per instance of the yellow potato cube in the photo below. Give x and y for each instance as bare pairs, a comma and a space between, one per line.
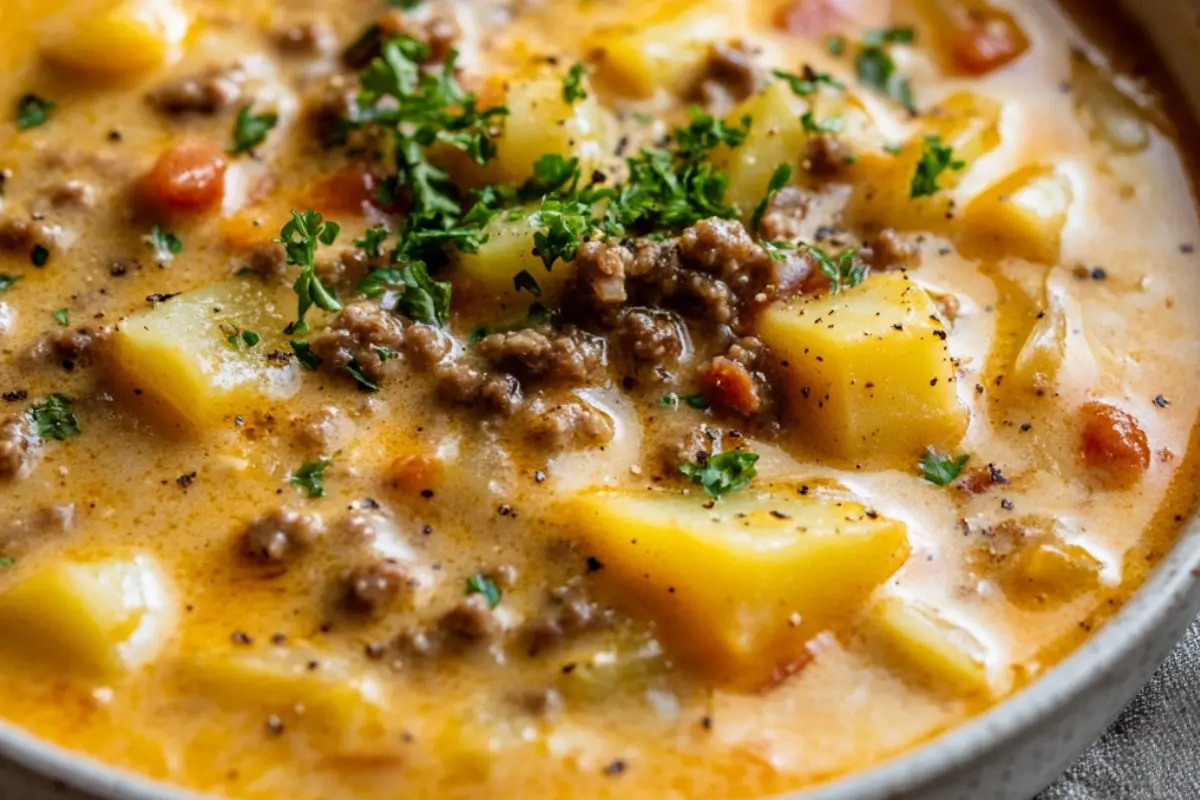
1054, 570
508, 250
179, 354
1022, 215
285, 680
121, 39
866, 371
967, 124
540, 122
776, 137
664, 50
103, 618
738, 589
936, 649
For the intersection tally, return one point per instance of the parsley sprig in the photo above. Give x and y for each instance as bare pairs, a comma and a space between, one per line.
311, 477
53, 418
299, 238
723, 473
936, 158
941, 469
250, 129
482, 584
844, 271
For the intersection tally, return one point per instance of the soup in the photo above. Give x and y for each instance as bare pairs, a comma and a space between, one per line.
537, 399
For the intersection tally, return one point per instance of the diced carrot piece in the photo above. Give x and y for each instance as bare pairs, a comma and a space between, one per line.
350, 190
730, 384
188, 176
977, 37
1113, 443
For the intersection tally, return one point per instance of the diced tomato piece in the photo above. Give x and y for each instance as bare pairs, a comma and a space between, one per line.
1113, 443
188, 176
977, 37
815, 17
350, 190
731, 385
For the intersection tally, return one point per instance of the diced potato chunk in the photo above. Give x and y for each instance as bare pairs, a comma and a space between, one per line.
1023, 215
866, 371
284, 680
508, 250
178, 352
666, 49
738, 589
123, 38
1055, 569
776, 137
540, 123
967, 124
936, 649
103, 618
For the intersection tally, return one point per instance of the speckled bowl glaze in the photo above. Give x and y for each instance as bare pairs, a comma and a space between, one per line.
1009, 753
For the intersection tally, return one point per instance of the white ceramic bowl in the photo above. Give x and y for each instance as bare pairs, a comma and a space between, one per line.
1009, 753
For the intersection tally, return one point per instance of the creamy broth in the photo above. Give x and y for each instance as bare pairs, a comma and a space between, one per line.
516, 545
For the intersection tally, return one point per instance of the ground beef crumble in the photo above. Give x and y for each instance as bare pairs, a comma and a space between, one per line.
19, 447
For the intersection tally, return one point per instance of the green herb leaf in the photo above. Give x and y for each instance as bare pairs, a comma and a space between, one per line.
53, 418
877, 70
304, 354
573, 84
844, 272
372, 240
935, 159
779, 179
563, 225
32, 111
242, 339
827, 125
723, 473
60, 316
7, 561
672, 400
939, 468
299, 238
364, 383
424, 299
810, 83
39, 255
905, 35
482, 584
250, 130
6, 281
166, 245
311, 477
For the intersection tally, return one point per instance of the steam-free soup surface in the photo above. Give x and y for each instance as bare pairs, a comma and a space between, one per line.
533, 399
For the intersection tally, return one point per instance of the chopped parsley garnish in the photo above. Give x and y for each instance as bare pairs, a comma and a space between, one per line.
32, 111
240, 340
672, 400
524, 281
7, 561
482, 584
60, 316
364, 383
311, 477
53, 418
562, 225
809, 83
166, 245
939, 468
893, 149
39, 255
372, 240
723, 473
890, 36
416, 295
828, 125
304, 354
876, 69
573, 84
299, 238
936, 158
250, 130
844, 272
779, 179
6, 281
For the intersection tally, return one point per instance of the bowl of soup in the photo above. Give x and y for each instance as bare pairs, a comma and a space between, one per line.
562, 398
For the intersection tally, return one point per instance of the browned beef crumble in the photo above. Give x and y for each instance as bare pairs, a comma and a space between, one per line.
215, 89
279, 536
19, 447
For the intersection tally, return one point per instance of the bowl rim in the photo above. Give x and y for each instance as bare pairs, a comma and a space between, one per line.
1171, 585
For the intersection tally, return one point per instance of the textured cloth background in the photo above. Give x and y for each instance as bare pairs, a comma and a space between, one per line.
1153, 750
